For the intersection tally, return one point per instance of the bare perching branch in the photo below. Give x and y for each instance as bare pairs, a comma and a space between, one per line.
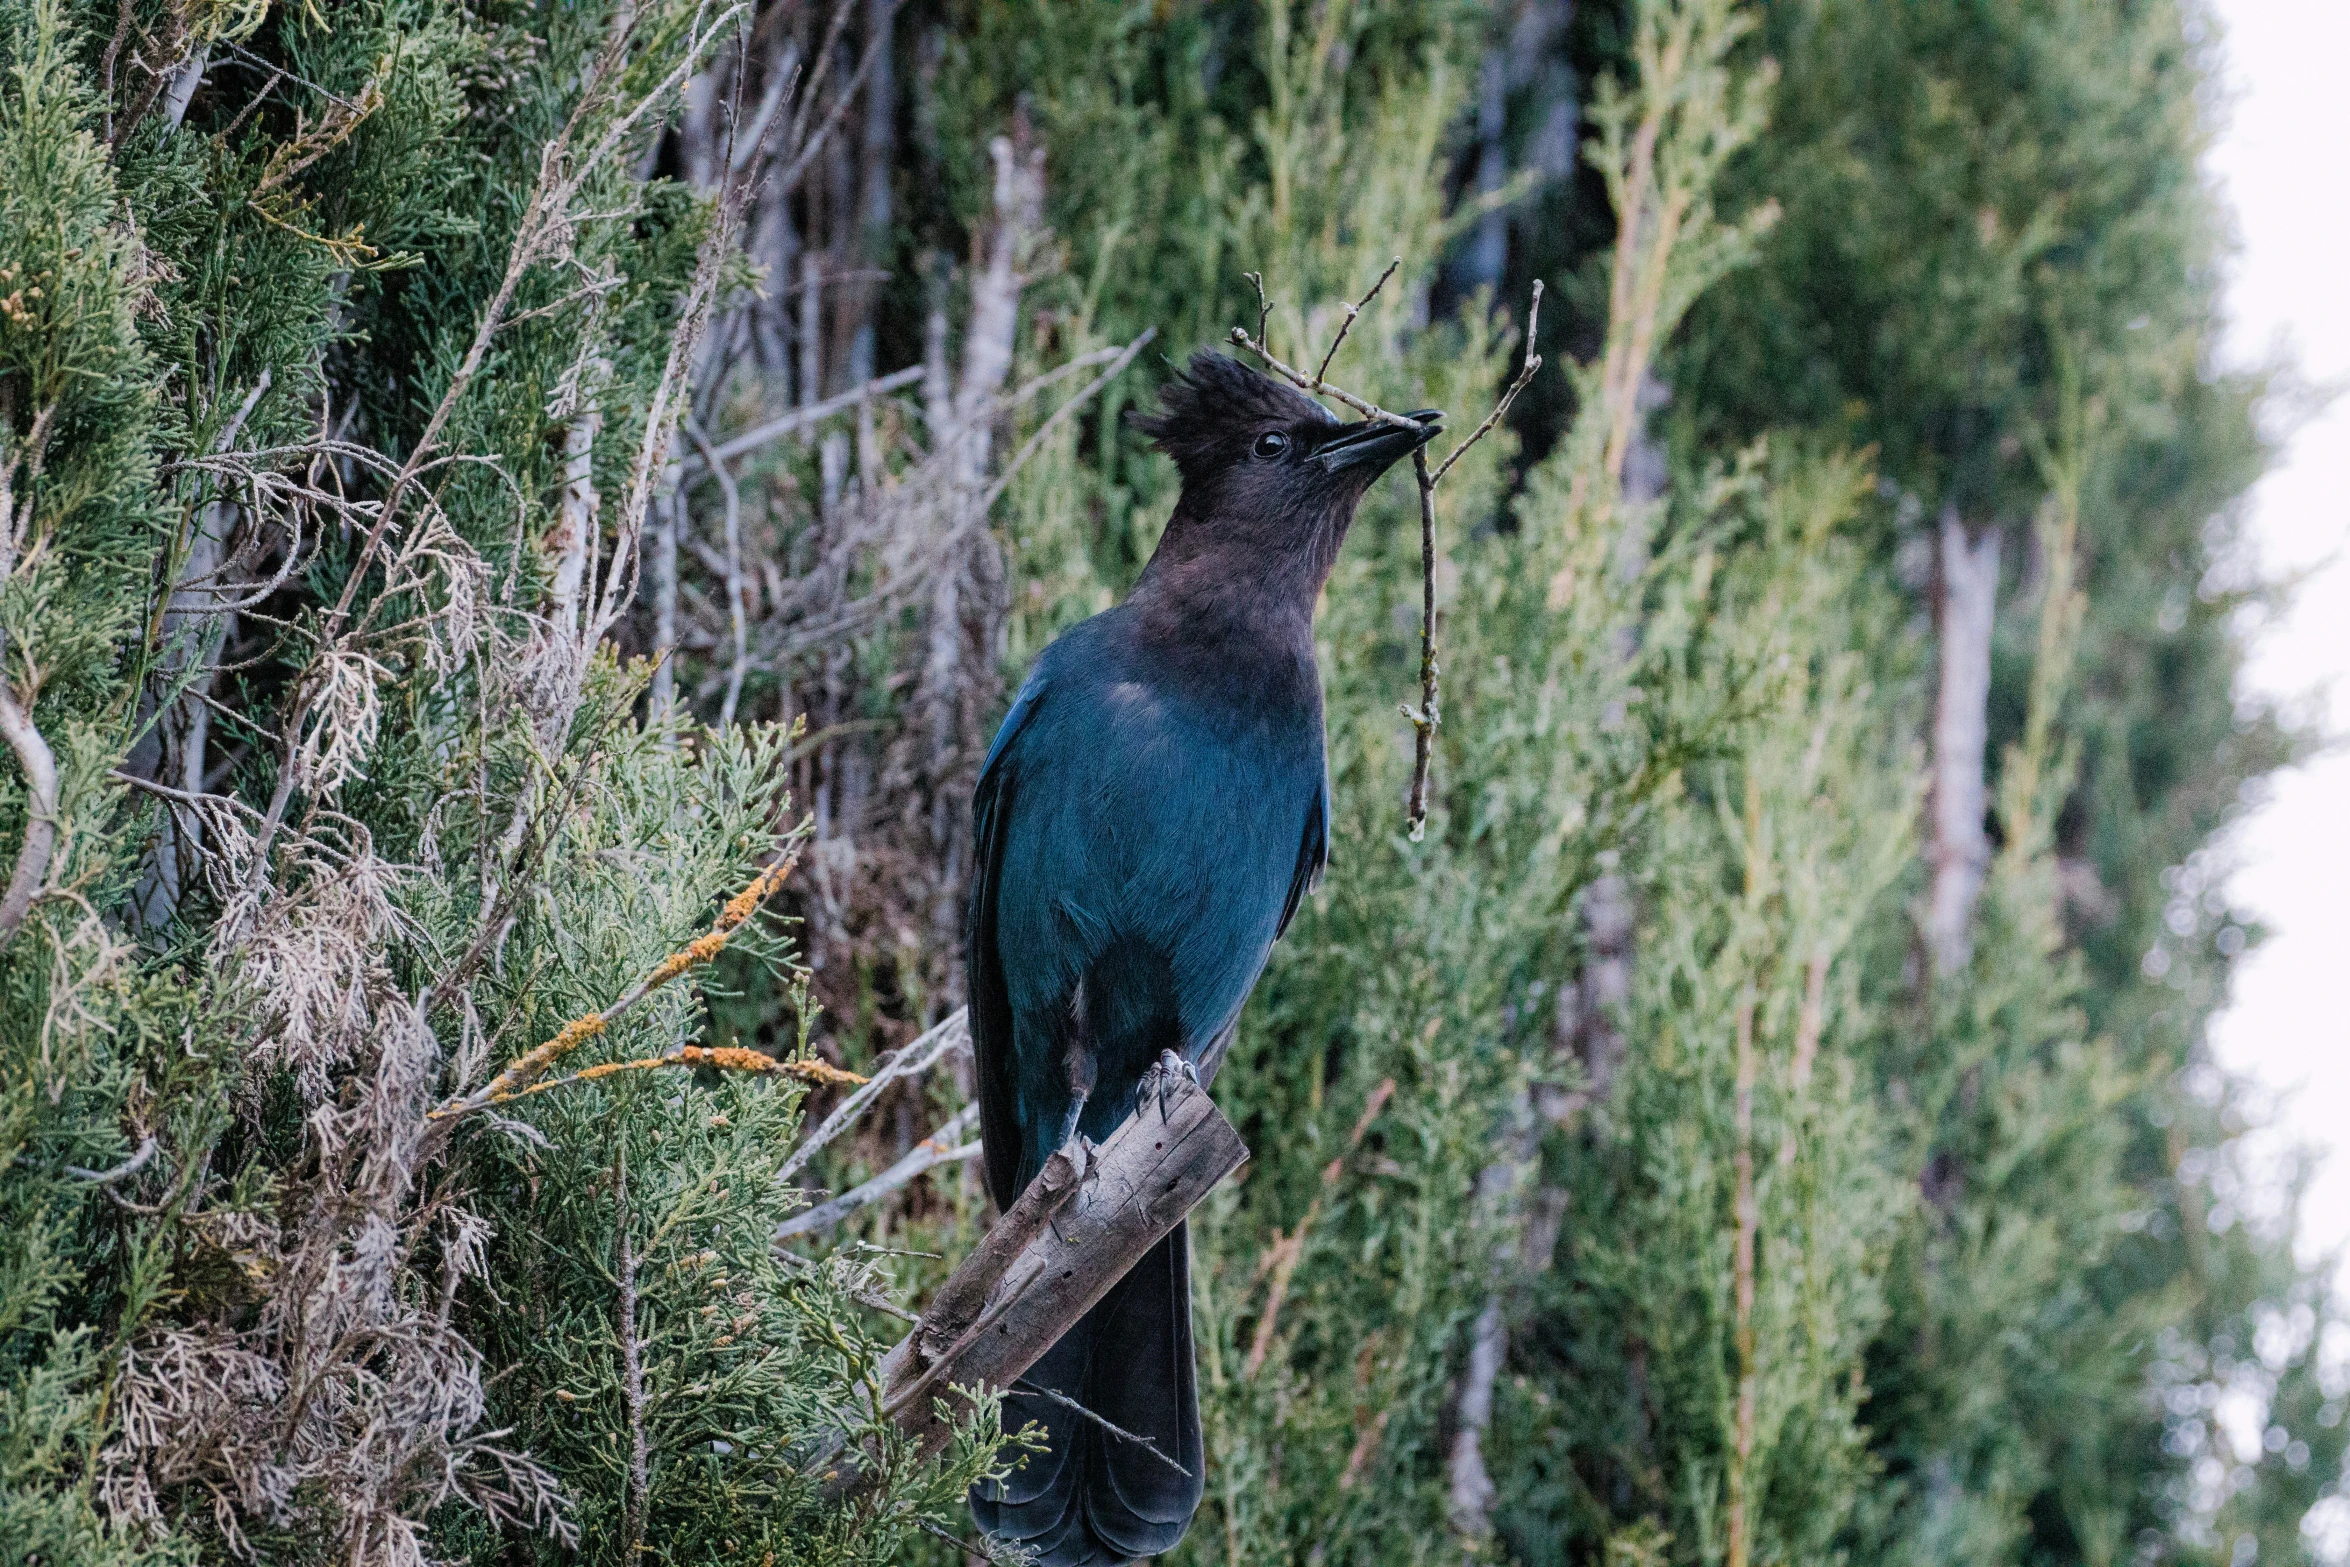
1071, 1235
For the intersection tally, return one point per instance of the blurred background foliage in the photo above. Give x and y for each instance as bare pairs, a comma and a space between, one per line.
1723, 1139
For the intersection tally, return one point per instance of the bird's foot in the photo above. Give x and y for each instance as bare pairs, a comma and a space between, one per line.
1158, 1082
1082, 1151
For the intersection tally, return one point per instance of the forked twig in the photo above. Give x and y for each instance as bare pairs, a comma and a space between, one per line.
1525, 374
1424, 718
1023, 1388
953, 1032
1347, 325
1264, 305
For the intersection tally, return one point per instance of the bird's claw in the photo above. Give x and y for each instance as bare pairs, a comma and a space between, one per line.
1159, 1082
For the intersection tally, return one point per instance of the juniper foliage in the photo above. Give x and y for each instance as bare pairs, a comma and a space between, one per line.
483, 481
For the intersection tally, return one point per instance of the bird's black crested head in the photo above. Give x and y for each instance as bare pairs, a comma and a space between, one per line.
1239, 432
1212, 411
1270, 482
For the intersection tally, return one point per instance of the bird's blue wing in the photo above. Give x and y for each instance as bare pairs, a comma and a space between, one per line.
1313, 852
991, 1005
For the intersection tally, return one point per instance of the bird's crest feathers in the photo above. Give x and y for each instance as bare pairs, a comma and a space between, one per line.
1216, 402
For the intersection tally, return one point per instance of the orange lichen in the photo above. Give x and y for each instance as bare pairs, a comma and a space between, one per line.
745, 903
815, 1071
517, 1079
726, 1057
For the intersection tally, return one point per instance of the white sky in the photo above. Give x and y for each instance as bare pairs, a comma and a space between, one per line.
2281, 161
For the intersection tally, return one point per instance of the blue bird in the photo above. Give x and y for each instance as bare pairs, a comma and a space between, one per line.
1153, 809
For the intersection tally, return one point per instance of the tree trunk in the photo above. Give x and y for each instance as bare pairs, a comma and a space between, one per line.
1966, 591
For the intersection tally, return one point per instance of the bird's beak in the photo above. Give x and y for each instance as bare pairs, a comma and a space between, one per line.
1377, 444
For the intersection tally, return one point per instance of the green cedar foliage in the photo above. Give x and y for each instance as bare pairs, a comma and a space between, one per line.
1795, 1254
257, 1300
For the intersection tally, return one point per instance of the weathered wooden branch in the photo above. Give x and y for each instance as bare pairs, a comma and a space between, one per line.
1071, 1235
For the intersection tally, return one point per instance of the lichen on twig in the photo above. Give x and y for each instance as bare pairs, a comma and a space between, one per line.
520, 1077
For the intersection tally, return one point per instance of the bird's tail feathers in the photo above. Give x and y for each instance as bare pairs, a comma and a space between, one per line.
1098, 1495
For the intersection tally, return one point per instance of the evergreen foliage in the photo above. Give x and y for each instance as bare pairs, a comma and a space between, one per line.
433, 630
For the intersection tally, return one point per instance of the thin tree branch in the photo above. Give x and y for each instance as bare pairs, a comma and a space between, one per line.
1347, 325
944, 1146
1023, 1388
801, 418
1306, 383
951, 1033
1057, 417
734, 570
40, 833
807, 150
1525, 374
1264, 305
121, 1172
632, 1380
1429, 716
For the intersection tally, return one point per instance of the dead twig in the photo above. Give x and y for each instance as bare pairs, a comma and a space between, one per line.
1058, 417
1347, 325
1023, 1388
1305, 383
1427, 716
952, 1033
944, 1146
1533, 362
800, 418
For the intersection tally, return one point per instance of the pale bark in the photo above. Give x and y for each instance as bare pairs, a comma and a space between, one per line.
1966, 590
39, 765
944, 1146
576, 513
663, 693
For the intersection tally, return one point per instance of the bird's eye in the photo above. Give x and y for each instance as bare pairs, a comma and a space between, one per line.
1271, 444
